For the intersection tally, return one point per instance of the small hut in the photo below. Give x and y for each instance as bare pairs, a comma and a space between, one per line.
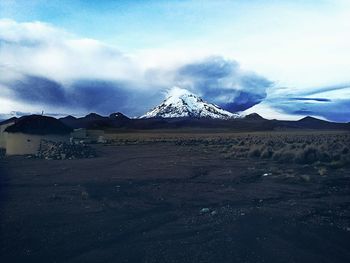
3, 126
27, 133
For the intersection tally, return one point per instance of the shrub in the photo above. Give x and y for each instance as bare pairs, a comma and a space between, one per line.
254, 152
345, 159
266, 153
307, 156
287, 156
332, 149
324, 157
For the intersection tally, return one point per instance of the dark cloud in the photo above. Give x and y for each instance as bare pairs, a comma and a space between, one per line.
331, 109
95, 95
217, 80
39, 90
312, 99
98, 96
303, 112
336, 110
213, 68
105, 97
223, 82
243, 100
319, 90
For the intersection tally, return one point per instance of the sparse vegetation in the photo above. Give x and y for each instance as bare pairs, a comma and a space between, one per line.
294, 148
304, 148
160, 193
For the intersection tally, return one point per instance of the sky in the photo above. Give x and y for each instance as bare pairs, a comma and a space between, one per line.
281, 59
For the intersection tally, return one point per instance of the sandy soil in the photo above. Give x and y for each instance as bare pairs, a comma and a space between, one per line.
162, 202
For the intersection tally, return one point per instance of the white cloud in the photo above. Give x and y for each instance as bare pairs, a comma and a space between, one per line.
40, 49
270, 112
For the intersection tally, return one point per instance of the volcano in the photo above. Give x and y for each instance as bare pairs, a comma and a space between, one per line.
183, 104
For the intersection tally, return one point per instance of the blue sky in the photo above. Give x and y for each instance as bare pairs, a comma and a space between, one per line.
272, 51
138, 24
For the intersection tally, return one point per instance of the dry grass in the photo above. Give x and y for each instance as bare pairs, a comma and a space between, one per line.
301, 147
332, 149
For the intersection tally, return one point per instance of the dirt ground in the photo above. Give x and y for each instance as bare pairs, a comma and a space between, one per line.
162, 202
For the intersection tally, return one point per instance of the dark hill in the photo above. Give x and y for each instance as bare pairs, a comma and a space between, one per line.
40, 125
118, 116
93, 117
312, 124
91, 121
96, 121
251, 122
254, 117
70, 121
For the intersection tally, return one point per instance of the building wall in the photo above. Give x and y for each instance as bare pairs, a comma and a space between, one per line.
3, 134
79, 134
94, 135
87, 136
20, 143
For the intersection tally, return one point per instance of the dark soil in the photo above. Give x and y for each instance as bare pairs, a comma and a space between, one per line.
162, 202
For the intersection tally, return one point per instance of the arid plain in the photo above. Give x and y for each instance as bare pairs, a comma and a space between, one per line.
153, 196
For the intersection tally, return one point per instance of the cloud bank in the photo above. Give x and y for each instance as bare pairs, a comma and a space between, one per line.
224, 83
329, 103
49, 67
43, 67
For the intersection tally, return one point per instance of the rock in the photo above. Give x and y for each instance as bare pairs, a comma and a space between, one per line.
84, 195
322, 171
205, 210
101, 139
60, 151
305, 177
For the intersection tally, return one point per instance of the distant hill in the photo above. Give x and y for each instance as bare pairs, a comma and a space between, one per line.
312, 123
254, 117
96, 121
252, 122
92, 121
38, 124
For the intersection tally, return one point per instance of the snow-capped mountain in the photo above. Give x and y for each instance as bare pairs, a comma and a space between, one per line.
182, 103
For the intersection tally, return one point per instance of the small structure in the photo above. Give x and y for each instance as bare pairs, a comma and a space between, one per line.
27, 133
95, 135
79, 135
88, 135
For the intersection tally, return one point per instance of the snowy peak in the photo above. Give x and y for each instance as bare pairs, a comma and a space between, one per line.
182, 103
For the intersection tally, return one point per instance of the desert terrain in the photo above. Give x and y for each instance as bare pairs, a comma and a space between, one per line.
189, 196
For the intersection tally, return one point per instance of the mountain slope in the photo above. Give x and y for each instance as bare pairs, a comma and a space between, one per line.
182, 104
